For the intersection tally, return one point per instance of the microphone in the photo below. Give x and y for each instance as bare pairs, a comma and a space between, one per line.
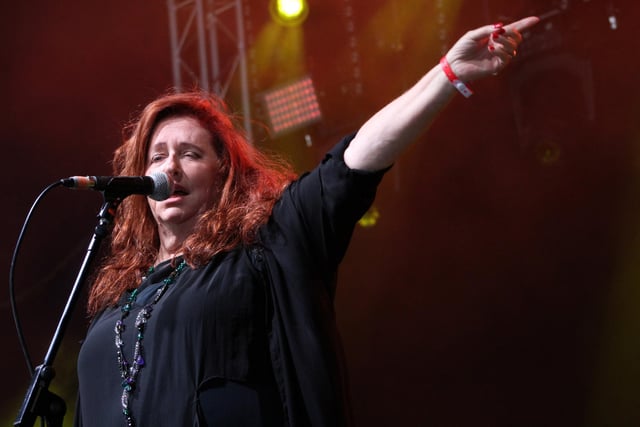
157, 186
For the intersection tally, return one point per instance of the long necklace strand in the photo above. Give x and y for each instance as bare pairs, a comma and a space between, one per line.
129, 370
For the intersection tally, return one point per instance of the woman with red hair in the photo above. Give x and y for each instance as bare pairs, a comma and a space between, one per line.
215, 305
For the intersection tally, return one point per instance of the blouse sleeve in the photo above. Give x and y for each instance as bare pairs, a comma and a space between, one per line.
318, 212
302, 245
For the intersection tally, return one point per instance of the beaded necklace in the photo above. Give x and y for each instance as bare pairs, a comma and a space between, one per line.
129, 370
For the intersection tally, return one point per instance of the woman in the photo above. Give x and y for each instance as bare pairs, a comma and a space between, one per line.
215, 306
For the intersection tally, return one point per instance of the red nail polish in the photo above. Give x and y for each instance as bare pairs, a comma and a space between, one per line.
491, 48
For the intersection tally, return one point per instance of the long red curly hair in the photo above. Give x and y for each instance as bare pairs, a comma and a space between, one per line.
251, 184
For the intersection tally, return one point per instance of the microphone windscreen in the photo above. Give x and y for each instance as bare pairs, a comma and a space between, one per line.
162, 186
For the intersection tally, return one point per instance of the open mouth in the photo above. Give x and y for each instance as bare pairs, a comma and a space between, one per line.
179, 191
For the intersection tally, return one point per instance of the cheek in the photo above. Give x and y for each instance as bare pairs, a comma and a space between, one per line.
151, 168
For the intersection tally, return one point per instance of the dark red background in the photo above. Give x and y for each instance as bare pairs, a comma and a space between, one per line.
500, 285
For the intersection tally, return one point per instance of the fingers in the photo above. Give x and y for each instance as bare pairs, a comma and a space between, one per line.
522, 24
501, 41
501, 59
505, 39
511, 29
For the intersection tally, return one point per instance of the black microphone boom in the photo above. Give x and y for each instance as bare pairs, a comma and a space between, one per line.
157, 186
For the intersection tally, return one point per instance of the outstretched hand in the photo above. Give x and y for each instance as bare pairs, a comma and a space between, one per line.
479, 53
487, 50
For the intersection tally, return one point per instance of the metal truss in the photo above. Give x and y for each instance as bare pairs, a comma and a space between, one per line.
208, 48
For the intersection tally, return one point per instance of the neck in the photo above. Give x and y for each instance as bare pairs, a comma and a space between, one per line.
164, 255
171, 241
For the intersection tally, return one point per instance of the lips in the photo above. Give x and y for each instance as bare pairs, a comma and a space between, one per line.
179, 191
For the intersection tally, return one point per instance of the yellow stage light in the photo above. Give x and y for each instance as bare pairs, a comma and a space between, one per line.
370, 218
289, 12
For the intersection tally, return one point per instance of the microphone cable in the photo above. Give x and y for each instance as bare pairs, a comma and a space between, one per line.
12, 298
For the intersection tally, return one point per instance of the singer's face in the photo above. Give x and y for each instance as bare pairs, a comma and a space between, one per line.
182, 148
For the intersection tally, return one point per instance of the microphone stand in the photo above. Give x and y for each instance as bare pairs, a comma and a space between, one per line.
39, 401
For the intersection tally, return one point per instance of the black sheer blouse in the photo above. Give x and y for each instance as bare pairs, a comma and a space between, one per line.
249, 339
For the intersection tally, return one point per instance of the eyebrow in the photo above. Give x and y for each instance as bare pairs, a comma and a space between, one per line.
181, 144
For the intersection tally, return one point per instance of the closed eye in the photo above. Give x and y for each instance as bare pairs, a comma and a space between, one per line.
192, 154
156, 157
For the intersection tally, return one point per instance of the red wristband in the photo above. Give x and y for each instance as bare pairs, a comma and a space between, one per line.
455, 81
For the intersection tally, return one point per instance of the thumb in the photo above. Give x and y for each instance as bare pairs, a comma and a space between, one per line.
481, 33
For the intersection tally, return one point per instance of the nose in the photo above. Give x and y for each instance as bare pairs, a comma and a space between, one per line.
172, 167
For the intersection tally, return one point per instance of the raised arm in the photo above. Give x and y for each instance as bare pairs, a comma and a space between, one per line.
479, 53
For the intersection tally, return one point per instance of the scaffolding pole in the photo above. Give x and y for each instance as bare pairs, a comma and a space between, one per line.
192, 23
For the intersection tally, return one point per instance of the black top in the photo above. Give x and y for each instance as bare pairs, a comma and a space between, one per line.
249, 339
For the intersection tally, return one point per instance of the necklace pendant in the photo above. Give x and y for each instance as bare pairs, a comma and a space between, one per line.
140, 361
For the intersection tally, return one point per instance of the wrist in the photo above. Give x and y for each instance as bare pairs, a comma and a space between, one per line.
454, 79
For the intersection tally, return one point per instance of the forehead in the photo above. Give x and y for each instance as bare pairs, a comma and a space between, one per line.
180, 129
